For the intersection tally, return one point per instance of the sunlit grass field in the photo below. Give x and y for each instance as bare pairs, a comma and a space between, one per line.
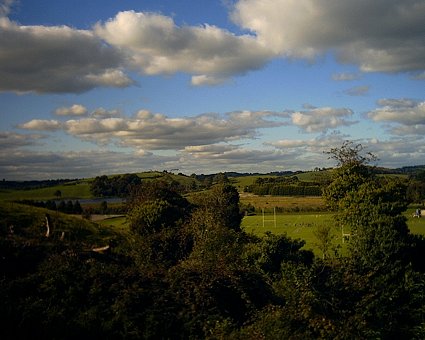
297, 226
304, 226
68, 191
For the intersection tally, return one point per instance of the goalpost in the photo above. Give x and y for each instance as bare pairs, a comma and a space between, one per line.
269, 219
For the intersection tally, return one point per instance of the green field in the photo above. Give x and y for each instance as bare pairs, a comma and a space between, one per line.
117, 223
297, 226
73, 190
304, 225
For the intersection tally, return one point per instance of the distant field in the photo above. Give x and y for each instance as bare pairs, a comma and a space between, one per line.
241, 182
285, 202
68, 191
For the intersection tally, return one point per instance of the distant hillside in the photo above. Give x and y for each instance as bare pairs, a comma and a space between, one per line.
412, 169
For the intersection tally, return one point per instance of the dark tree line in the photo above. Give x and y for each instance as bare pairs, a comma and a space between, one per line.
284, 186
28, 185
114, 186
68, 207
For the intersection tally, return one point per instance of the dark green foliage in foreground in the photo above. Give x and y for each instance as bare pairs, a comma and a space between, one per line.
188, 271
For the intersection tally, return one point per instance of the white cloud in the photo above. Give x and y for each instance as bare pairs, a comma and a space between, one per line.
56, 59
109, 77
41, 125
321, 119
156, 45
74, 110
380, 35
207, 80
150, 131
406, 112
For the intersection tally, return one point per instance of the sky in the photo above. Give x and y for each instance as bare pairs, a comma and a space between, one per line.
205, 86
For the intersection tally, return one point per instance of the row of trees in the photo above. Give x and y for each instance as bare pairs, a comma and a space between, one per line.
68, 207
285, 190
284, 186
187, 270
114, 186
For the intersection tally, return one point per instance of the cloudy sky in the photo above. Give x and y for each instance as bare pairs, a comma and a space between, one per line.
105, 86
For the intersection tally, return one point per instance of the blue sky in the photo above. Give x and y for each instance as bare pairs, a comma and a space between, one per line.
103, 87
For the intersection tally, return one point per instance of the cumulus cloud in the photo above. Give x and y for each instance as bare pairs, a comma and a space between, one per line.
381, 35
156, 45
322, 119
41, 125
405, 116
207, 80
150, 131
74, 110
407, 113
62, 59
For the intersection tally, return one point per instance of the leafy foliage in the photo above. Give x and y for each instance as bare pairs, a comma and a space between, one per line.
104, 186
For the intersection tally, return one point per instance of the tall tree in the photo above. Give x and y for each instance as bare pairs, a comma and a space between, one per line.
377, 273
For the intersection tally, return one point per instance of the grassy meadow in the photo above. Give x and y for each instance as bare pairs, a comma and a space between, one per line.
72, 190
304, 225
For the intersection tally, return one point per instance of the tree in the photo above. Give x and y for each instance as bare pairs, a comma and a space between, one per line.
58, 194
156, 217
377, 273
222, 202
368, 205
416, 188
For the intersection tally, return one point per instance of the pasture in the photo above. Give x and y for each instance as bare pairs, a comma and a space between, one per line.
284, 203
304, 225
72, 190
295, 225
